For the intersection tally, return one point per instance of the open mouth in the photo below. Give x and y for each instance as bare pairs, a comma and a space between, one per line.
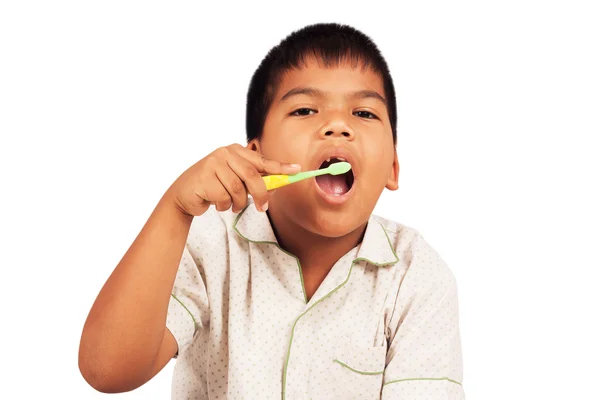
335, 184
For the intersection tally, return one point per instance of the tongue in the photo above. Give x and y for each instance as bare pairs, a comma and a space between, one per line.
332, 184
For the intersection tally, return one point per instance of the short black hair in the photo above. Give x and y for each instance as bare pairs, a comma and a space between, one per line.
332, 44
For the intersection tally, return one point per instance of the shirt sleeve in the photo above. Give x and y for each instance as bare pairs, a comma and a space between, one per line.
188, 307
424, 359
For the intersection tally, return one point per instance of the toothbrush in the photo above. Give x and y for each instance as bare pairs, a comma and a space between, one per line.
277, 181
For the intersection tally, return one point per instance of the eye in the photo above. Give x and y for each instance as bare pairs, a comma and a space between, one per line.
303, 112
366, 114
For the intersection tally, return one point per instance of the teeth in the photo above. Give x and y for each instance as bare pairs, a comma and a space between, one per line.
337, 158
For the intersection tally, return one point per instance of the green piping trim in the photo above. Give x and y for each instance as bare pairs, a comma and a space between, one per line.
391, 247
275, 244
186, 309
357, 371
287, 359
423, 379
235, 222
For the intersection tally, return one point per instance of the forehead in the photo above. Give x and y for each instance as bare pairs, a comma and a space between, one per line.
333, 79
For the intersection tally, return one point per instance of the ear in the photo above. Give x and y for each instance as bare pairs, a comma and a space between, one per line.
253, 145
392, 183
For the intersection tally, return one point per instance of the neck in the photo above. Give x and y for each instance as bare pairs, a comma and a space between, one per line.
313, 250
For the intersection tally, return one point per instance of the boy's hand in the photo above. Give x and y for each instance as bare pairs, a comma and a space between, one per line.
225, 177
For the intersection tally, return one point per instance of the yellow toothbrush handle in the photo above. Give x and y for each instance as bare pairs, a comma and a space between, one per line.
275, 181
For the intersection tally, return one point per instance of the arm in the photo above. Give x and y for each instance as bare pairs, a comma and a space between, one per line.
124, 341
424, 356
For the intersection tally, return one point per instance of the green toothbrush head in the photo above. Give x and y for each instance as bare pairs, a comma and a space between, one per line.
339, 168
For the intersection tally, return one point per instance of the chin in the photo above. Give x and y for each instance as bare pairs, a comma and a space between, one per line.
333, 223
321, 216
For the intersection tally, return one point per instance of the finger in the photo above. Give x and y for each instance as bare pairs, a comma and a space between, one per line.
223, 205
252, 179
265, 165
234, 186
215, 193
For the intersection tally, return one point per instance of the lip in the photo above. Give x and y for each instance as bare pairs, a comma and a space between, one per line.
332, 152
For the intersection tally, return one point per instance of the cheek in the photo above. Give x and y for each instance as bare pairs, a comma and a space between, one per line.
378, 163
288, 139
378, 150
285, 151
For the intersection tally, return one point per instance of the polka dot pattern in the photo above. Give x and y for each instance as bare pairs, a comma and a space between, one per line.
386, 312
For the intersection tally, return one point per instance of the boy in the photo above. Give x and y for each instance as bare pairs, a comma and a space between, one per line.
297, 293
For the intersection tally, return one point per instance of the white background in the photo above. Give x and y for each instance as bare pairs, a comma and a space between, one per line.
104, 104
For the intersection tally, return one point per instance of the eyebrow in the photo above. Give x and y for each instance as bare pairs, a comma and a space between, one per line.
313, 92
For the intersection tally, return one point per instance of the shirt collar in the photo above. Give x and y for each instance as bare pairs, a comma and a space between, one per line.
376, 247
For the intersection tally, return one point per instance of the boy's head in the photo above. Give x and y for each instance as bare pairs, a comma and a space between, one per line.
332, 44
326, 91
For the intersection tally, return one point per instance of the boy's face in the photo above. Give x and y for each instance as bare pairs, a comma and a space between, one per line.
326, 117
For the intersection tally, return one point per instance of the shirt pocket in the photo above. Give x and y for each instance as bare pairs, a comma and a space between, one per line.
358, 370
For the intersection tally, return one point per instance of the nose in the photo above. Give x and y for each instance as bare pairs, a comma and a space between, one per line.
337, 125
